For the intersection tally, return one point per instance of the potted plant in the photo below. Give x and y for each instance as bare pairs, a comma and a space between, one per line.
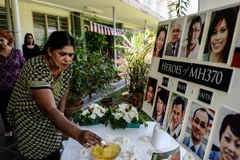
126, 116
105, 93
90, 72
136, 49
92, 115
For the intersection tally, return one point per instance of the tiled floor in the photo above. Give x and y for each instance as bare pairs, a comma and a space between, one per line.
8, 146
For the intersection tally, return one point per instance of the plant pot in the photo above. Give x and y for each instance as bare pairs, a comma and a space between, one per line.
106, 102
133, 125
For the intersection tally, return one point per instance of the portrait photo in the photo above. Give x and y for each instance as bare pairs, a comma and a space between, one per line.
198, 129
149, 96
220, 34
160, 105
226, 142
236, 55
175, 115
192, 39
174, 37
160, 40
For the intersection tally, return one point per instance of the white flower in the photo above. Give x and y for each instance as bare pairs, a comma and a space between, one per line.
83, 152
189, 156
134, 150
133, 157
85, 112
117, 116
92, 116
108, 137
125, 140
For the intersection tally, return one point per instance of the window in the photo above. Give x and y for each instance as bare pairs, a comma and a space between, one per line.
3, 19
45, 24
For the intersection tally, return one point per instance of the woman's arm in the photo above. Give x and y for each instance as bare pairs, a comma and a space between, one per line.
63, 100
45, 100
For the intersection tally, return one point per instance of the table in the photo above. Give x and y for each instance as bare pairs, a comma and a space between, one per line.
135, 143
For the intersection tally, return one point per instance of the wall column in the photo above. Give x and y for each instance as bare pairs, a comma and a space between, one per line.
16, 24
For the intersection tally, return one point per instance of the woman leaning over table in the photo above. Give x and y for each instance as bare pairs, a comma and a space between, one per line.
11, 61
37, 104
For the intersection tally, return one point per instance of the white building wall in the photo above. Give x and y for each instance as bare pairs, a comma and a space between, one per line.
26, 18
212, 4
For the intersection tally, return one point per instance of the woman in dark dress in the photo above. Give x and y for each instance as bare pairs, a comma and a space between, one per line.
29, 48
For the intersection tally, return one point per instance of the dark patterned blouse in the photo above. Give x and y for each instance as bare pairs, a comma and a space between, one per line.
10, 67
37, 136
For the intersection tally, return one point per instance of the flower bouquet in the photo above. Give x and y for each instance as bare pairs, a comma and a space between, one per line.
93, 114
125, 114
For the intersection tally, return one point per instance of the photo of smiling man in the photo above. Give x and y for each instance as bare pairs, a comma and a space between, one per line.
198, 129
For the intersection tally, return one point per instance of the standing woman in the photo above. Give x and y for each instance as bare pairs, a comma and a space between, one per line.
36, 108
30, 49
11, 61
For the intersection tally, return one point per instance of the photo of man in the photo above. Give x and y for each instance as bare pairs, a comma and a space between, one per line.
198, 129
176, 115
174, 38
149, 96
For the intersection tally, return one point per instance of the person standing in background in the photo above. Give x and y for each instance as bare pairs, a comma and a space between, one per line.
30, 49
11, 62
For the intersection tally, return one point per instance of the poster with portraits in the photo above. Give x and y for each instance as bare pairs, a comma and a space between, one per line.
220, 34
198, 128
160, 105
160, 40
173, 42
175, 115
204, 72
226, 142
193, 36
149, 96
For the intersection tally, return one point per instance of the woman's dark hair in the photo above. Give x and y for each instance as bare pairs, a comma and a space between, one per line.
25, 38
195, 19
231, 120
230, 15
162, 29
163, 95
57, 40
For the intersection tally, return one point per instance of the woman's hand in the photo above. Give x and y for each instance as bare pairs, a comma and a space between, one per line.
88, 139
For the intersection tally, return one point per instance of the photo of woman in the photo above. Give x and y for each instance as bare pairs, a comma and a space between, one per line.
192, 41
227, 142
149, 96
160, 105
220, 35
160, 41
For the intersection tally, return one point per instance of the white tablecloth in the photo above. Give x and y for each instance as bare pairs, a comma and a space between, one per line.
135, 143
